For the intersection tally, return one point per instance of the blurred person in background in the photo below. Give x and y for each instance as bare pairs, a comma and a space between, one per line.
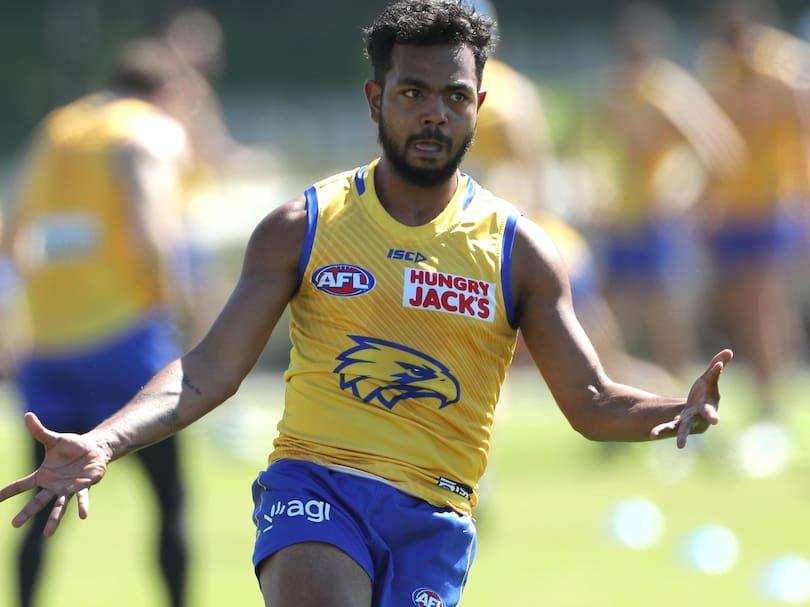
754, 218
513, 144
513, 154
407, 284
664, 133
94, 229
197, 40
221, 163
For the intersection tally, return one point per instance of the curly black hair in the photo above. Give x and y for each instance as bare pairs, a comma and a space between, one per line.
426, 22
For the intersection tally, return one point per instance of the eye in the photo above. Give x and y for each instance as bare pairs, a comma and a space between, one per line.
417, 371
459, 97
412, 93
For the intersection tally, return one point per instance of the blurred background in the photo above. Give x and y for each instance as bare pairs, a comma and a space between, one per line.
280, 56
614, 160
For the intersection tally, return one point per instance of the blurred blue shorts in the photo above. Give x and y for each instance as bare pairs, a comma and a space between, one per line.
775, 239
416, 554
653, 253
74, 391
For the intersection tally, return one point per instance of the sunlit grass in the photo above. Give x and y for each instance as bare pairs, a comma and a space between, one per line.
543, 537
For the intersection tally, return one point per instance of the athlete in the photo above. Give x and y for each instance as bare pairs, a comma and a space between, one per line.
92, 223
511, 154
666, 134
407, 283
754, 218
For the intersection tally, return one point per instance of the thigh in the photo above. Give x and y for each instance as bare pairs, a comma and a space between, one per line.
297, 503
431, 551
313, 574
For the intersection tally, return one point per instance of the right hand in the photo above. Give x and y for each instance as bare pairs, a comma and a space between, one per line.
701, 406
72, 464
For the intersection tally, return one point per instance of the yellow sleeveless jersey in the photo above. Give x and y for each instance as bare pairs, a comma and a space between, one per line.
767, 113
401, 338
85, 275
648, 129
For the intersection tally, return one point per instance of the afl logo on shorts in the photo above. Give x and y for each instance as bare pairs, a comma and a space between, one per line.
343, 280
425, 597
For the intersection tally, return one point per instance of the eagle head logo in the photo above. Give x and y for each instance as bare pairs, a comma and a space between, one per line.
387, 372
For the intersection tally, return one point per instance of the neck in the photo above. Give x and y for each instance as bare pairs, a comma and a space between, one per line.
408, 203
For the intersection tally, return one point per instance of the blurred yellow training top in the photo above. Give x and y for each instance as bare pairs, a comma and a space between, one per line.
511, 122
72, 226
766, 111
401, 338
664, 126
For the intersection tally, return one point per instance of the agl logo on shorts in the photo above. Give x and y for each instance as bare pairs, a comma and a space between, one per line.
343, 280
315, 511
425, 597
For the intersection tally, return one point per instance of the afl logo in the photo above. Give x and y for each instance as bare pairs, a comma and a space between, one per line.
343, 280
425, 597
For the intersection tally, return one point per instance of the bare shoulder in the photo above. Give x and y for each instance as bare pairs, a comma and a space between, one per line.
540, 284
287, 216
536, 261
279, 236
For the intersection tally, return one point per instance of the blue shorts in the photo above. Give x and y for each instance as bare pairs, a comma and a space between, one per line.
75, 391
776, 239
415, 553
654, 253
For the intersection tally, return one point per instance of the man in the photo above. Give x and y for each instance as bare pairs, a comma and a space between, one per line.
665, 136
753, 219
407, 283
92, 228
511, 154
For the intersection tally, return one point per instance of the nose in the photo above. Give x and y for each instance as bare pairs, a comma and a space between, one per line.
435, 110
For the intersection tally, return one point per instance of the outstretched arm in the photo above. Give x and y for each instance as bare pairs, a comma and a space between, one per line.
595, 405
184, 390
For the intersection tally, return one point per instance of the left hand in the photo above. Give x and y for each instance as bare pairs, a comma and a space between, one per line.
72, 464
701, 406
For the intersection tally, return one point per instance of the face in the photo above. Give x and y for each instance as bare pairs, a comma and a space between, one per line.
426, 111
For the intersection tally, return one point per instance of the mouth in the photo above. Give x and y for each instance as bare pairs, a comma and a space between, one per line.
428, 146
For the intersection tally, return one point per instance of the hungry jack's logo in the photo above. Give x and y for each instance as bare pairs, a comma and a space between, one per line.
442, 292
375, 370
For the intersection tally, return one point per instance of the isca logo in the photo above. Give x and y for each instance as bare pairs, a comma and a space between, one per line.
425, 597
343, 280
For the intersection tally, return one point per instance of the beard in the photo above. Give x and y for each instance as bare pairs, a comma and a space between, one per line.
424, 177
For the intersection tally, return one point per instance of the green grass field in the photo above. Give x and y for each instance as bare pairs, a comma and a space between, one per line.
543, 538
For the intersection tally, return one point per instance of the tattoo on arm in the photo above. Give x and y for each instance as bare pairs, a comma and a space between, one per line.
186, 381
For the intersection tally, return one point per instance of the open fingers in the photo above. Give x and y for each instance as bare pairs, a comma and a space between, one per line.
724, 357
712, 375
34, 505
696, 423
37, 430
57, 512
83, 500
684, 429
710, 414
717, 364
19, 486
665, 428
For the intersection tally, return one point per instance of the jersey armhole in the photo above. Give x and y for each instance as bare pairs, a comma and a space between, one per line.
506, 266
311, 196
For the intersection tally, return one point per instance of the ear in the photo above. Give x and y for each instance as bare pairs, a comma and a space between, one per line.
482, 94
373, 93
